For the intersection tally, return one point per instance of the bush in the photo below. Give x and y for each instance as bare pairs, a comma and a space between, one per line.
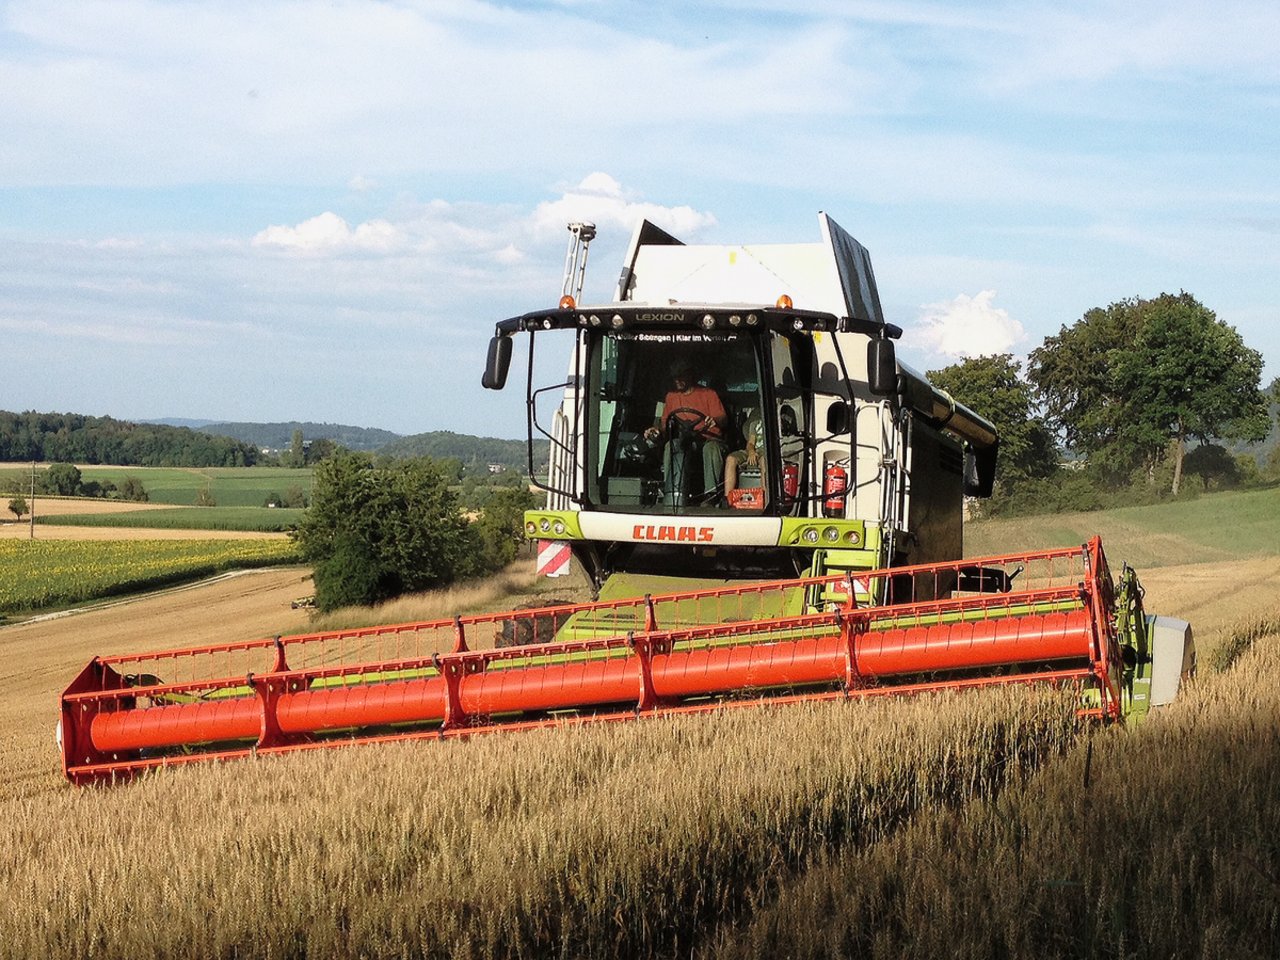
374, 532
500, 529
1081, 490
1214, 465
131, 488
62, 479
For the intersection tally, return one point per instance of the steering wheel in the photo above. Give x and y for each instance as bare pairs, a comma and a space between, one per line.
678, 426
690, 424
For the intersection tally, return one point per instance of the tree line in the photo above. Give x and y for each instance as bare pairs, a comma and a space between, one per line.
474, 454
77, 438
279, 435
1107, 409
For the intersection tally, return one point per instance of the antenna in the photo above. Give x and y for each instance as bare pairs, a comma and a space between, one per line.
575, 259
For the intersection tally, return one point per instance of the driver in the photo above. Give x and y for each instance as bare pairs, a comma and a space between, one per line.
698, 408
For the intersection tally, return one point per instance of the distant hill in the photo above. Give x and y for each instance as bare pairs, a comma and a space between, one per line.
76, 438
278, 436
439, 444
172, 443
177, 422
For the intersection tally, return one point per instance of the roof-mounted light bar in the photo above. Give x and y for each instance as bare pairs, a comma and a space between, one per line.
619, 316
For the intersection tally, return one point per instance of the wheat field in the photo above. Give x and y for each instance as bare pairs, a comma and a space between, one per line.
985, 824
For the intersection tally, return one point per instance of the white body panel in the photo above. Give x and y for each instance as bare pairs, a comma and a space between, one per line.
1173, 655
738, 274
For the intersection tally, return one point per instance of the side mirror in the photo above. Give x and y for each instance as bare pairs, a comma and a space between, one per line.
497, 364
882, 368
838, 418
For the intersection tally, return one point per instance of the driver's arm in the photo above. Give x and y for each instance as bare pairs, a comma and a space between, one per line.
716, 418
652, 434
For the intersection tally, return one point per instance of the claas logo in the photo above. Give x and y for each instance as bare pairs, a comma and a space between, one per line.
672, 533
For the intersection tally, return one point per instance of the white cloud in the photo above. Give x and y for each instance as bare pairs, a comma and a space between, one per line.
135, 331
329, 233
127, 287
361, 184
509, 255
471, 238
119, 243
600, 199
969, 327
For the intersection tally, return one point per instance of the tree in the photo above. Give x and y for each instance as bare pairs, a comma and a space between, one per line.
205, 498
1074, 378
297, 455
500, 529
1126, 382
1187, 375
1213, 464
63, 479
321, 449
993, 388
131, 488
374, 532
18, 506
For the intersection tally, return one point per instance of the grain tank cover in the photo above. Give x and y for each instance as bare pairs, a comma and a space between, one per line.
833, 275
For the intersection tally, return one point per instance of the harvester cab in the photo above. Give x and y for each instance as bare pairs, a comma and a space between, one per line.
739, 412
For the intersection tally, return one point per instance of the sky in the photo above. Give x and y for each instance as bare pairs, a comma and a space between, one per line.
273, 211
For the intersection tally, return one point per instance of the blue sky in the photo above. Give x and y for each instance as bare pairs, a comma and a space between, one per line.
273, 211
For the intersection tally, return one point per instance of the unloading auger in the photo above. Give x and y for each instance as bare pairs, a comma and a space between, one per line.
1057, 618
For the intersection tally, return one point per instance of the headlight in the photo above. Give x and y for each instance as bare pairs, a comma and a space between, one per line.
852, 537
544, 525
830, 534
530, 528
810, 535
558, 528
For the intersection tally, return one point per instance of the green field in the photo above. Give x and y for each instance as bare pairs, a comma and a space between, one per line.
254, 519
38, 574
1215, 527
230, 486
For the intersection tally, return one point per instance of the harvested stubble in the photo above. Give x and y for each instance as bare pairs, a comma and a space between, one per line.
1171, 851
629, 840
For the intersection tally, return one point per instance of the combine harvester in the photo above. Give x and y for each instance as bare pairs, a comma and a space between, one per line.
767, 503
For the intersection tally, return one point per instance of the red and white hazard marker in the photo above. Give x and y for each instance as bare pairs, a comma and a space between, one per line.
553, 558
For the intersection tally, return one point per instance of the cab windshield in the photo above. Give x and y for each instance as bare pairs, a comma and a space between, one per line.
677, 424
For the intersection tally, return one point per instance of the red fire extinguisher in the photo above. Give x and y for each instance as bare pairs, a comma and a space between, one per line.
835, 482
790, 481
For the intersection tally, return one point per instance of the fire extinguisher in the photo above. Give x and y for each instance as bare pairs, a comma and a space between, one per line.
790, 481
835, 482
